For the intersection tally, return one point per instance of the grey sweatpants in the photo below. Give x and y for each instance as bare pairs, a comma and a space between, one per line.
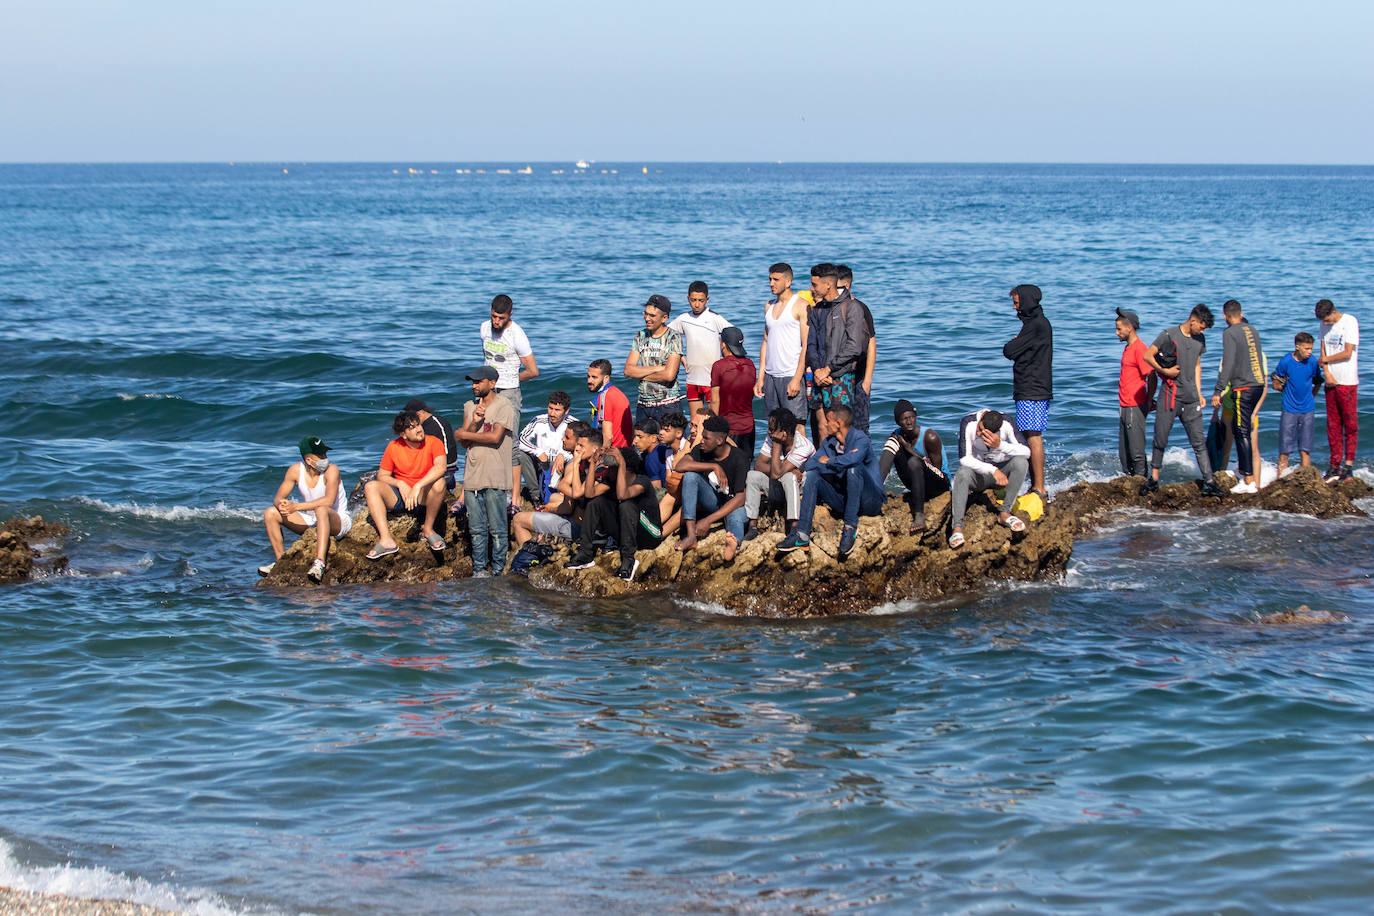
1130, 442
760, 483
1191, 417
967, 480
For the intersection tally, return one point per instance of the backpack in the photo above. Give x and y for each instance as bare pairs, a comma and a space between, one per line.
531, 554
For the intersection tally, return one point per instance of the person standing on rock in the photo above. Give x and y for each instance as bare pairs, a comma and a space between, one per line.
1176, 355
863, 391
782, 355
610, 408
715, 477
700, 328
1135, 390
835, 345
411, 474
777, 470
1242, 377
919, 468
1339, 337
843, 474
990, 455
732, 388
488, 429
506, 349
1032, 356
654, 359
1298, 376
323, 506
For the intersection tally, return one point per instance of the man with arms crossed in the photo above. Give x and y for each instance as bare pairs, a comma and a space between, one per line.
1339, 336
654, 359
782, 355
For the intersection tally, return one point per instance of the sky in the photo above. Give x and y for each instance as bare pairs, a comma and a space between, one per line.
886, 81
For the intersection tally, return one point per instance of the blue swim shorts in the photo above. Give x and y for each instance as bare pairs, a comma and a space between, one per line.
1031, 416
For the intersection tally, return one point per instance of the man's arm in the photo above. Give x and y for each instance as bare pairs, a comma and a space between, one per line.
528, 368
1171, 372
1017, 345
803, 317
715, 399
1010, 444
1345, 353
284, 505
1230, 352
851, 349
492, 436
763, 358
857, 448
872, 359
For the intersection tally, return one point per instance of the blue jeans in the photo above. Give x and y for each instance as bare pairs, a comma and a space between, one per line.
487, 526
855, 491
697, 493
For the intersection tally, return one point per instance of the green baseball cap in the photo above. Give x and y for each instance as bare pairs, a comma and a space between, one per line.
313, 445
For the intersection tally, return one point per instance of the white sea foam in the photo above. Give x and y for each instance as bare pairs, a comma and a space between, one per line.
173, 513
150, 396
102, 884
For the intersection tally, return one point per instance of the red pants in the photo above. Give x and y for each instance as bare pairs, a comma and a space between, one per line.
1342, 423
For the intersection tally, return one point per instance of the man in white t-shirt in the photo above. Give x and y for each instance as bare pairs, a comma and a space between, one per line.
700, 329
507, 350
777, 470
782, 355
1338, 338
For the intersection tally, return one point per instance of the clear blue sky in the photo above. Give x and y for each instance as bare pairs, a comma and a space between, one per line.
984, 80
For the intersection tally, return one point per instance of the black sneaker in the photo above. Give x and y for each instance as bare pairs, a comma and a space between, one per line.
847, 539
1149, 486
794, 541
751, 532
1332, 475
628, 572
580, 561
1210, 488
1347, 470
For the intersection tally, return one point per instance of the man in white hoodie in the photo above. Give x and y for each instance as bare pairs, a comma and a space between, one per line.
990, 455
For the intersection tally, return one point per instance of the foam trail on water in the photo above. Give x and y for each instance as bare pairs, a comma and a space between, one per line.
172, 513
102, 884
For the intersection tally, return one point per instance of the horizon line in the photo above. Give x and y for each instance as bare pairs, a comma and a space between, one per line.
660, 162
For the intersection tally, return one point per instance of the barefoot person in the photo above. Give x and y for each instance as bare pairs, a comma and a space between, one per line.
323, 506
990, 455
715, 476
411, 474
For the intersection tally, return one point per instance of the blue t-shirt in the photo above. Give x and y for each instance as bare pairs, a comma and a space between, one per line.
1297, 393
656, 463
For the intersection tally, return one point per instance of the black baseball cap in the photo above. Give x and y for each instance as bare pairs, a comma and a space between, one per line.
661, 303
482, 372
733, 338
312, 445
1129, 317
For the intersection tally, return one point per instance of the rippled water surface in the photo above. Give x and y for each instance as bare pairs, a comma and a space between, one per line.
1128, 739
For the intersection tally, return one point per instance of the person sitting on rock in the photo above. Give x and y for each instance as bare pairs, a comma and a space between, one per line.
411, 474
843, 474
990, 455
921, 472
628, 510
777, 470
561, 515
540, 447
442, 430
714, 477
323, 506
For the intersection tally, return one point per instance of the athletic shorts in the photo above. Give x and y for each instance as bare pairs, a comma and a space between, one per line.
839, 392
1295, 432
1031, 416
699, 393
561, 526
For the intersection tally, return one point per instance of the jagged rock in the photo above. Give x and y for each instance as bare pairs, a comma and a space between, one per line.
18, 558
1302, 615
886, 565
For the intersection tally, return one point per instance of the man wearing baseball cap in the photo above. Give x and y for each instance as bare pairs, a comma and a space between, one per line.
488, 430
1135, 392
732, 388
323, 506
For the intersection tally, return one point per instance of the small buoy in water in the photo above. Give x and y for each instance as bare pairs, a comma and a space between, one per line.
646, 170
285, 172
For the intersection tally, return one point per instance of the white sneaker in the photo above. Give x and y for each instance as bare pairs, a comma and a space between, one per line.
266, 571
1244, 489
316, 572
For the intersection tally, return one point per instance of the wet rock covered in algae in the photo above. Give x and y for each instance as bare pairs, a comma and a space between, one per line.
887, 564
19, 558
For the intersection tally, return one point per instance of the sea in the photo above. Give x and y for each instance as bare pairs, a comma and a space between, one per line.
1132, 737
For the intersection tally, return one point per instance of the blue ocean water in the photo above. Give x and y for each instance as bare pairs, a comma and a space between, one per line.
1128, 739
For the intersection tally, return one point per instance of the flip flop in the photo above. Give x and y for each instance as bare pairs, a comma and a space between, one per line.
956, 540
1014, 523
435, 543
378, 551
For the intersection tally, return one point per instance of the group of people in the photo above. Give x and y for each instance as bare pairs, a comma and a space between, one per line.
681, 457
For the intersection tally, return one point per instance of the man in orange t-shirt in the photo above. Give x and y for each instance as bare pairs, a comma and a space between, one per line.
411, 474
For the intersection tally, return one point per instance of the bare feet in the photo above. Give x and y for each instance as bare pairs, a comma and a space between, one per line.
686, 543
731, 545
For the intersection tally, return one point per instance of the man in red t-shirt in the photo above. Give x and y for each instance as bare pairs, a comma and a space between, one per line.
610, 408
1135, 392
732, 388
411, 474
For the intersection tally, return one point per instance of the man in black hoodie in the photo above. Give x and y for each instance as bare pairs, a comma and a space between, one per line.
1031, 353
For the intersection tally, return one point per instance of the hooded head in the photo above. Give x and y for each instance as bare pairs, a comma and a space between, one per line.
1027, 300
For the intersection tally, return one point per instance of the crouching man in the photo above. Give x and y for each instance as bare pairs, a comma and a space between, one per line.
843, 474
990, 455
714, 477
627, 510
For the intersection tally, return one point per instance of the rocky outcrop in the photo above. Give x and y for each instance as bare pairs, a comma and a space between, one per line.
18, 555
887, 565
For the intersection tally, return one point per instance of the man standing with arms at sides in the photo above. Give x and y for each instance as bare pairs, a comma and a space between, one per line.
782, 355
488, 428
1135, 389
654, 359
1032, 355
1242, 371
700, 329
1339, 337
863, 394
507, 350
610, 407
837, 340
1176, 355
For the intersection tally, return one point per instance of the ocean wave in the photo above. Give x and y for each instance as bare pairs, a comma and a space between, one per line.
172, 513
150, 396
97, 883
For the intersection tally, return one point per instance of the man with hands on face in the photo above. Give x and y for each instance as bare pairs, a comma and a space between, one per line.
990, 455
621, 503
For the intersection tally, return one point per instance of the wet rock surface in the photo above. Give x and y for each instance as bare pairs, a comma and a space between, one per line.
24, 548
888, 564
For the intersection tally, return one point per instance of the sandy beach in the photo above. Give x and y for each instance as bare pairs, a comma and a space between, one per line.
27, 903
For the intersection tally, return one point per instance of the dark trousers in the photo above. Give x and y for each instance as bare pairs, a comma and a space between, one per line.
1243, 403
922, 482
1130, 442
634, 523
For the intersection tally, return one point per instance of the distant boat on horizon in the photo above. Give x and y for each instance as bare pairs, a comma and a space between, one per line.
582, 164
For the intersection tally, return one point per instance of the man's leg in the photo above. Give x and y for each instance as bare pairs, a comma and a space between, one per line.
1241, 426
434, 501
1348, 398
1135, 442
965, 479
790, 486
498, 518
1197, 438
911, 472
529, 478
853, 486
1164, 421
756, 484
1335, 434
327, 525
806, 512
697, 494
1036, 442
1015, 469
1306, 427
380, 498
522, 528
479, 528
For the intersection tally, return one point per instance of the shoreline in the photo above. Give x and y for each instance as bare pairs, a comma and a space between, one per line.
35, 903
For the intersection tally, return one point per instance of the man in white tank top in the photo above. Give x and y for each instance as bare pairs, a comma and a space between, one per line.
782, 355
323, 506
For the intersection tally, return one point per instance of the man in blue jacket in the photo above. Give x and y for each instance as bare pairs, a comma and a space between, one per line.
843, 473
